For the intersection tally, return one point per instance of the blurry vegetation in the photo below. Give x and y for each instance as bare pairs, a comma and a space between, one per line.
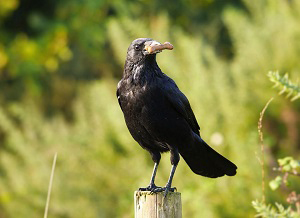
286, 86
60, 62
287, 166
272, 212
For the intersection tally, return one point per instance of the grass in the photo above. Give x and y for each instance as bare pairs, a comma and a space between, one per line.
50, 186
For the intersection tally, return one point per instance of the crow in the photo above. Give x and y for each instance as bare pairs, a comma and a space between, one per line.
159, 117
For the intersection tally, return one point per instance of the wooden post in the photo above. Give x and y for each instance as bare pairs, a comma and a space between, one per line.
153, 205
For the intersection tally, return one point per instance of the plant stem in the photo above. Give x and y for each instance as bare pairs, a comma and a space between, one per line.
50, 186
262, 146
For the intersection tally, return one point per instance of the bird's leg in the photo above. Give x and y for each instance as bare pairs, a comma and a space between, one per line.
152, 187
174, 161
169, 183
153, 176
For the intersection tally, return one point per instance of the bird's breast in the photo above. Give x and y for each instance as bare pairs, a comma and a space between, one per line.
137, 98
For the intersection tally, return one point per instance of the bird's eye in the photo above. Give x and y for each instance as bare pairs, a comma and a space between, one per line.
137, 47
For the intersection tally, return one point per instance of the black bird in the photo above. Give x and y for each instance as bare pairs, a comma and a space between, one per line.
159, 116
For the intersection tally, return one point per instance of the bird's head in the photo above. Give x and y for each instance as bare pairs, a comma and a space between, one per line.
145, 48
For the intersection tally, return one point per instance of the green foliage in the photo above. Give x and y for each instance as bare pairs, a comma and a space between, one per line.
91, 165
40, 41
268, 211
287, 165
285, 85
7, 7
275, 183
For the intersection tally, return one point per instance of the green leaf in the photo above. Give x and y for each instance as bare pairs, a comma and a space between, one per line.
295, 164
285, 85
284, 161
287, 168
275, 183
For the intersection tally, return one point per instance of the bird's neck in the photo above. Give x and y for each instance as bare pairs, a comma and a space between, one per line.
143, 71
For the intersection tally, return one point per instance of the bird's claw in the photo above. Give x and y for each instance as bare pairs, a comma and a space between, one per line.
155, 189
167, 189
152, 188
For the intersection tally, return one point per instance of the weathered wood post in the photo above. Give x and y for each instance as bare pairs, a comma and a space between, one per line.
153, 205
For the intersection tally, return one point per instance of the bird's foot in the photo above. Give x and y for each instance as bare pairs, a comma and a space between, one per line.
152, 188
168, 188
155, 189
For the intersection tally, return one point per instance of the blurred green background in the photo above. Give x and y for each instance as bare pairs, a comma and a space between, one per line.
60, 62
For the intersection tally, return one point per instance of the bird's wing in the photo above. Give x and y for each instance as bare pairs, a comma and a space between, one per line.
118, 95
181, 104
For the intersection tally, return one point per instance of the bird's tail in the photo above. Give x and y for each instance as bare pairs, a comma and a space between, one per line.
205, 161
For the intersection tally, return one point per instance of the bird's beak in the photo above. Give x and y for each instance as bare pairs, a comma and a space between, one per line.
153, 47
